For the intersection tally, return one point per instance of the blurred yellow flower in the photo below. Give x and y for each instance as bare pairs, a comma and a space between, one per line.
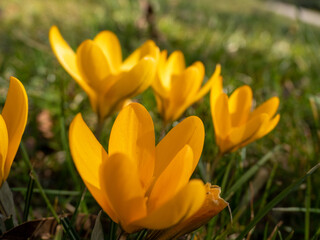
212, 205
235, 124
98, 68
140, 185
177, 87
13, 121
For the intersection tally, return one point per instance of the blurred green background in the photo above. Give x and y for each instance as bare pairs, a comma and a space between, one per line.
276, 56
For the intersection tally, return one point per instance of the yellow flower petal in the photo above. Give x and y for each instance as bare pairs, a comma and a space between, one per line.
130, 83
199, 65
162, 67
220, 116
214, 79
240, 103
186, 90
102, 199
184, 204
88, 155
120, 180
3, 148
212, 205
64, 53
127, 85
272, 124
15, 114
93, 66
168, 69
172, 181
175, 65
269, 107
245, 132
158, 86
267, 126
110, 45
148, 49
162, 60
185, 86
183, 90
67, 59
87, 152
133, 134
190, 131
217, 86
148, 77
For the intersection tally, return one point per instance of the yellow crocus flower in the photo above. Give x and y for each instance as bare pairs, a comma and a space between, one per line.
140, 185
97, 66
177, 87
13, 119
235, 123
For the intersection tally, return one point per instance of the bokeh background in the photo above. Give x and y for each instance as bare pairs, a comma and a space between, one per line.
275, 55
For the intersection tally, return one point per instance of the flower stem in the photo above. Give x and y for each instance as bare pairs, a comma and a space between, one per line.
99, 128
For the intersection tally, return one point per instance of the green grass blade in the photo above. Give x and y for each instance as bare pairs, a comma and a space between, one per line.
265, 232
28, 199
141, 234
75, 213
290, 235
226, 174
245, 177
210, 227
34, 175
316, 236
50, 191
295, 209
268, 186
274, 202
280, 235
307, 214
65, 222
59, 233
69, 229
112, 235
201, 169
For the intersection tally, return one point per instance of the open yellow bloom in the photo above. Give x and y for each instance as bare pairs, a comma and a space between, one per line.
235, 124
98, 68
212, 205
13, 121
177, 87
140, 185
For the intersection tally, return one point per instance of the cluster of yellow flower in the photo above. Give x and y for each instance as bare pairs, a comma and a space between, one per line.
140, 185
